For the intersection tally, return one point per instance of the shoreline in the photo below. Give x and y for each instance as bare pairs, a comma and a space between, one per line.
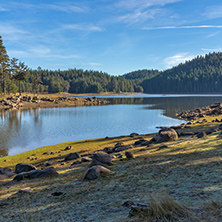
180, 170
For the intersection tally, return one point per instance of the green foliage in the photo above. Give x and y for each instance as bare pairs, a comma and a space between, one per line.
200, 75
80, 81
4, 66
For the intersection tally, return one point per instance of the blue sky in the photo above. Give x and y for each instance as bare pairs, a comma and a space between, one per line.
113, 36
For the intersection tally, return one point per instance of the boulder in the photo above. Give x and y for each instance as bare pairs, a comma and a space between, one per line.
7, 171
21, 176
121, 148
101, 158
72, 156
166, 134
47, 172
94, 172
24, 167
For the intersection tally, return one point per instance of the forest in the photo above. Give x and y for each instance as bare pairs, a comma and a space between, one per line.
202, 74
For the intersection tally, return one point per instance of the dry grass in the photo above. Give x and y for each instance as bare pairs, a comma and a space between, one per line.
189, 171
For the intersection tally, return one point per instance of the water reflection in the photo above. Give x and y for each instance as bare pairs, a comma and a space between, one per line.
170, 105
28, 129
13, 129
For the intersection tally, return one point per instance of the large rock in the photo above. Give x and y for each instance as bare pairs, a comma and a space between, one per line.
166, 134
94, 172
101, 158
122, 148
47, 172
72, 156
21, 176
24, 167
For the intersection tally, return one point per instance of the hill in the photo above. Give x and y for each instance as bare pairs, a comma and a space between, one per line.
200, 75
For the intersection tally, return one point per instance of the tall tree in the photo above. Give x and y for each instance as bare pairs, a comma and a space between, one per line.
4, 65
37, 80
21, 74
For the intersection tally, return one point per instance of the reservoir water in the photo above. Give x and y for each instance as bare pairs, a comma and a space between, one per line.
28, 129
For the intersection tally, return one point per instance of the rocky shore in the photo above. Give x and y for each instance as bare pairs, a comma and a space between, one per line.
27, 101
212, 110
172, 175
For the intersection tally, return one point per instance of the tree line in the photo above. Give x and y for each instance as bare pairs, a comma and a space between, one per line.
200, 75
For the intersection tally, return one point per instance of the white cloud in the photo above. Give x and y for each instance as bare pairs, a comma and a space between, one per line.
213, 12
213, 49
82, 27
176, 59
139, 16
183, 27
95, 64
65, 7
8, 29
139, 4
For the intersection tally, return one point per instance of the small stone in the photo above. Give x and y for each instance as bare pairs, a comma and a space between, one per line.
128, 155
128, 203
68, 148
57, 193
76, 162
25, 190
86, 159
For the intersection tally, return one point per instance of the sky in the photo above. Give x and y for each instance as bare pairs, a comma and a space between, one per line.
112, 36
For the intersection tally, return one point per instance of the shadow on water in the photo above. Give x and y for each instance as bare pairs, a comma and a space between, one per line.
170, 105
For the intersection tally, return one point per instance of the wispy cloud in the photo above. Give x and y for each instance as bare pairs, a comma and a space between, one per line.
8, 29
213, 12
2, 9
82, 27
184, 27
138, 4
176, 59
65, 7
41, 51
213, 49
140, 16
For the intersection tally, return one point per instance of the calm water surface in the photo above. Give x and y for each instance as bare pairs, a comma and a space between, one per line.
25, 130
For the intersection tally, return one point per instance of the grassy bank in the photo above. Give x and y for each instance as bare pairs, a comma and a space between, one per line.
187, 171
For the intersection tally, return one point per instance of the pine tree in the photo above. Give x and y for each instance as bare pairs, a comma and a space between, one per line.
4, 66
21, 74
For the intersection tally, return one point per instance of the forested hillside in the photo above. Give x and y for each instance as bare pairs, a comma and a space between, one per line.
80, 81
200, 75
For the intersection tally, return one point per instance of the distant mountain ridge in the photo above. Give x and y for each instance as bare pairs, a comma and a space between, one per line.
202, 74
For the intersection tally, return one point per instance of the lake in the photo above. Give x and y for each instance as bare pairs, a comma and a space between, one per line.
28, 129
